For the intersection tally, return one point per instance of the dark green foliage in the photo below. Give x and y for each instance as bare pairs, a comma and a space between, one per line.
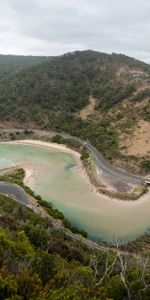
49, 91
140, 96
28, 132
58, 139
69, 142
56, 214
10, 64
38, 262
85, 154
37, 235
99, 134
12, 136
17, 177
63, 83
112, 93
145, 164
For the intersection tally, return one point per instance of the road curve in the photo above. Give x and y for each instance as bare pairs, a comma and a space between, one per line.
15, 192
18, 194
102, 164
113, 174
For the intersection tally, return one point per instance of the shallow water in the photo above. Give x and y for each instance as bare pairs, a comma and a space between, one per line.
57, 179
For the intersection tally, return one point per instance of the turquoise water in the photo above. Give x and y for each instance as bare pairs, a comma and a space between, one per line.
57, 179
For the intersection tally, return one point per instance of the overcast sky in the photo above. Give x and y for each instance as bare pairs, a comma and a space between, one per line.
52, 27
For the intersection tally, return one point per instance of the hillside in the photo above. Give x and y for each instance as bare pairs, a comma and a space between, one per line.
10, 64
99, 97
39, 262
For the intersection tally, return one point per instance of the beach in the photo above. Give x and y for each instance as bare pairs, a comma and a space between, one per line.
31, 170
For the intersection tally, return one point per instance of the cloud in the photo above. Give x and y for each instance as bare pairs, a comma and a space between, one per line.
51, 27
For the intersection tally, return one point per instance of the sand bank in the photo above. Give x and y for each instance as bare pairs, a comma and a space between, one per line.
31, 170
55, 146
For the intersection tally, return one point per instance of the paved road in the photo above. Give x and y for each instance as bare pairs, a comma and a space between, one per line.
108, 170
113, 174
18, 194
103, 165
15, 192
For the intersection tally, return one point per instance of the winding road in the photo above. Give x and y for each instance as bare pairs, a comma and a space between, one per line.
18, 194
114, 176
103, 165
15, 192
120, 180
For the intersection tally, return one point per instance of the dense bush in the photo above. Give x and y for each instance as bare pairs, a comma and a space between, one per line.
38, 262
17, 177
48, 93
146, 165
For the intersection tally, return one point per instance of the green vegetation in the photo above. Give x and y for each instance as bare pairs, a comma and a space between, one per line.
146, 165
85, 154
10, 64
111, 94
100, 134
89, 163
142, 95
56, 214
49, 93
38, 262
17, 177
71, 143
28, 132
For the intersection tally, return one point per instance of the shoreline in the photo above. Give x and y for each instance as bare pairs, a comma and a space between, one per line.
80, 167
58, 147
40, 144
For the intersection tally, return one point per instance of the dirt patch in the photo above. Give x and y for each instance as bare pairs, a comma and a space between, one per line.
128, 166
88, 110
142, 87
138, 144
142, 104
123, 70
7, 125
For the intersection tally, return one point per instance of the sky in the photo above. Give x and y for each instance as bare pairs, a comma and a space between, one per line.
54, 27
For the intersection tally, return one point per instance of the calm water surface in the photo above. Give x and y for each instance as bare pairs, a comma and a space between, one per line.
57, 179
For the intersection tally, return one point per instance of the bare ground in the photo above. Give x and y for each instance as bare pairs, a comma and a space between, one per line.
138, 144
88, 110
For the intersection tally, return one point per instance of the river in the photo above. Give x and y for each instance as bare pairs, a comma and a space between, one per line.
55, 176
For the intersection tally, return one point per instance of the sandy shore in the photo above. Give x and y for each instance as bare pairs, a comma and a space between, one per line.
57, 147
31, 170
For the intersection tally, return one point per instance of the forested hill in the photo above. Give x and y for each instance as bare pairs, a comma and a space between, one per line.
70, 79
10, 64
90, 94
